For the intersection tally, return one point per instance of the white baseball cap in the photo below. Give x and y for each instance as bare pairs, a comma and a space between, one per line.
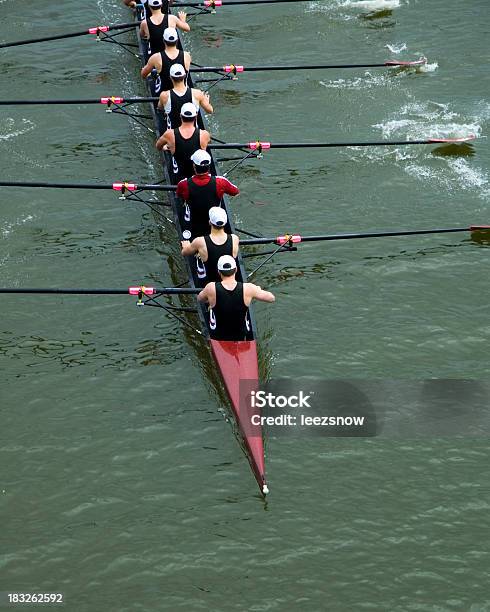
170, 35
218, 216
226, 263
155, 3
188, 110
201, 158
177, 70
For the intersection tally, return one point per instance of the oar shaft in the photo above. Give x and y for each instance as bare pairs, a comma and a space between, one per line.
73, 101
83, 186
30, 41
233, 3
61, 291
291, 67
449, 230
328, 237
308, 145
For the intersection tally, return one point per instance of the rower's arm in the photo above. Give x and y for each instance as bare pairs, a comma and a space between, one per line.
236, 244
163, 141
187, 60
204, 102
144, 30
146, 70
204, 295
205, 138
260, 294
191, 248
180, 22
163, 99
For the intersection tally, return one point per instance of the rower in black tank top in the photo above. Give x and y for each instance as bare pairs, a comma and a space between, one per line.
165, 80
214, 253
157, 44
176, 103
184, 148
201, 199
227, 320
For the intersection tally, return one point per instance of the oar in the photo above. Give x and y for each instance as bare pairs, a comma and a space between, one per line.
261, 145
147, 296
212, 4
290, 239
235, 68
97, 31
106, 100
122, 186
143, 290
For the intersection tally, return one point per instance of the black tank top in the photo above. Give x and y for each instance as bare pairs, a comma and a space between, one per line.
201, 199
157, 44
227, 320
214, 253
184, 148
176, 103
167, 63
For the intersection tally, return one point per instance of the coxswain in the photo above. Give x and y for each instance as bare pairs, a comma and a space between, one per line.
211, 247
163, 61
228, 302
172, 101
183, 141
201, 192
153, 27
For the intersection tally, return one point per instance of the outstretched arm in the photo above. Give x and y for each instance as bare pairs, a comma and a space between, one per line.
204, 102
260, 294
180, 22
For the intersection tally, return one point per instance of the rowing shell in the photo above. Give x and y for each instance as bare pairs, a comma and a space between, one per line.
236, 361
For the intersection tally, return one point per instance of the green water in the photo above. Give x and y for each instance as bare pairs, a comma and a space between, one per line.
121, 483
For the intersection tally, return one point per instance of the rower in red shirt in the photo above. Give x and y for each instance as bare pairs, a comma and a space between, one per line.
201, 192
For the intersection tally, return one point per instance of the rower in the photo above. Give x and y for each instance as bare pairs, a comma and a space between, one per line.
201, 192
172, 101
162, 62
157, 22
183, 141
228, 302
211, 247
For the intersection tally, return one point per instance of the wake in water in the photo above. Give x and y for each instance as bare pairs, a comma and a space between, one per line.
373, 6
421, 120
9, 130
349, 8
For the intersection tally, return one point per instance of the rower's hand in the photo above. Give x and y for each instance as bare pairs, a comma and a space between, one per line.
182, 16
165, 147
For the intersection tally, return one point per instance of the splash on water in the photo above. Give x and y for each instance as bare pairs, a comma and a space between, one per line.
397, 48
8, 129
373, 5
424, 120
9, 226
368, 81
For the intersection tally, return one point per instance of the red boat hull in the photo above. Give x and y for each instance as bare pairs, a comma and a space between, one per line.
237, 362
